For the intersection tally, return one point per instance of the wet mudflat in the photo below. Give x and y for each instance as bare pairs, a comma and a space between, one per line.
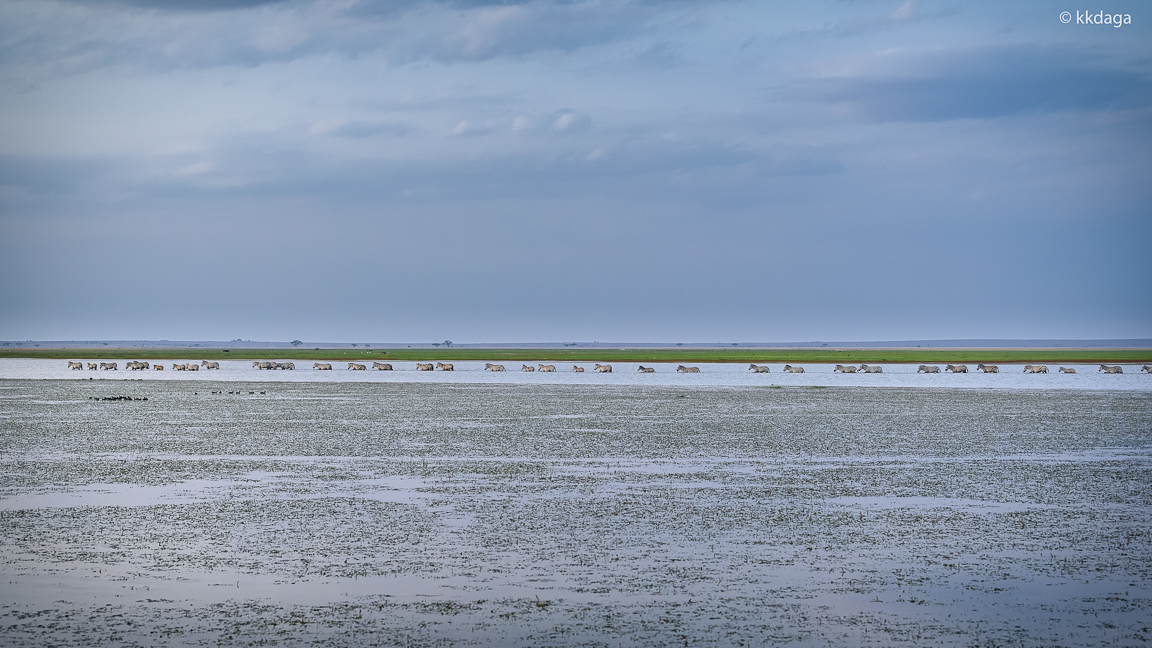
455, 514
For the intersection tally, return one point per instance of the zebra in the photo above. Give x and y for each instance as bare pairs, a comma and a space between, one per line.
264, 364
683, 369
928, 369
352, 366
871, 369
603, 368
791, 369
644, 369
544, 367
285, 365
988, 368
957, 368
1037, 369
381, 366
192, 366
577, 369
135, 366
76, 365
179, 367
1110, 369
108, 366
843, 369
91, 366
321, 366
1067, 370
158, 367
210, 365
427, 366
488, 366
1146, 368
445, 367
755, 368
527, 368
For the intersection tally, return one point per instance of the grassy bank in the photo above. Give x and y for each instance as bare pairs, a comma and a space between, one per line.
762, 356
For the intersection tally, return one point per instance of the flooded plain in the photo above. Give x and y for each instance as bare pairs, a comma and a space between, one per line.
384, 512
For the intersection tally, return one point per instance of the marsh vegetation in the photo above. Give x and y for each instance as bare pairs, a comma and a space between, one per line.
465, 514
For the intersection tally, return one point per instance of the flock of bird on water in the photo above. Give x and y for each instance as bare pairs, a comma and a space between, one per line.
428, 366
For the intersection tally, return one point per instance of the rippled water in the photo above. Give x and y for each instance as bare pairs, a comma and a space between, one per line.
401, 513
711, 374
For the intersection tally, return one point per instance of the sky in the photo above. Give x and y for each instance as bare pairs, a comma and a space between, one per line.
632, 170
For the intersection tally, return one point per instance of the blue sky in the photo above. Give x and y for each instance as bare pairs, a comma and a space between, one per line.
648, 170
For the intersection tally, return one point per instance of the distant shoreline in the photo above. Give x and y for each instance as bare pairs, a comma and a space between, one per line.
676, 355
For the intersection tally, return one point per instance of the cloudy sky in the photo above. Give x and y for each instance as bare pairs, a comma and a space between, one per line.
640, 170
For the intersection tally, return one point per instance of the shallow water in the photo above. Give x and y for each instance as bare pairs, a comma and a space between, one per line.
1011, 376
365, 513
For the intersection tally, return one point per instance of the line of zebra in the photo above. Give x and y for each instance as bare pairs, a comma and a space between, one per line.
1032, 369
135, 365
754, 368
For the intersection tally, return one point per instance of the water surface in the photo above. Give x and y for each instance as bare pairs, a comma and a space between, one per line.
438, 514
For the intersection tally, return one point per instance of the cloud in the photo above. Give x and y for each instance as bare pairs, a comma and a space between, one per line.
390, 8
660, 55
29, 175
281, 163
42, 39
45, 40
569, 121
180, 5
561, 122
359, 129
197, 168
514, 30
906, 11
981, 84
467, 129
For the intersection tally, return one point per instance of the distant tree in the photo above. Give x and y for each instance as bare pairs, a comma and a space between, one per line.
436, 344
353, 346
447, 343
679, 344
296, 343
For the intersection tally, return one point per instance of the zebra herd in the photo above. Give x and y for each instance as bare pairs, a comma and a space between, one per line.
267, 365
135, 365
1034, 369
442, 366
